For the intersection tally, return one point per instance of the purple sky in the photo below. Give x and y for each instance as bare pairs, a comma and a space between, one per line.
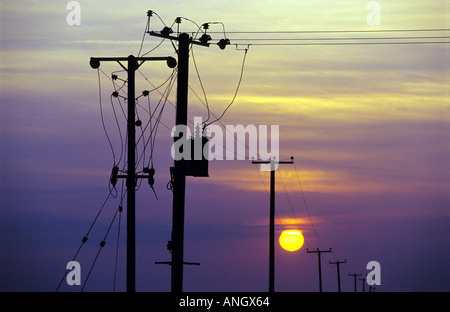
368, 128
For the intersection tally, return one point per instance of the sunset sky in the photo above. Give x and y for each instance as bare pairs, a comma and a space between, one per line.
367, 125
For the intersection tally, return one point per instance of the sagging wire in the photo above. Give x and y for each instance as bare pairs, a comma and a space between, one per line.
85, 238
235, 93
102, 118
153, 127
201, 85
101, 245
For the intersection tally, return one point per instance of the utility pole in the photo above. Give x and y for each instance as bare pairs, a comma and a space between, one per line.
364, 280
354, 277
179, 170
337, 262
318, 251
131, 177
272, 217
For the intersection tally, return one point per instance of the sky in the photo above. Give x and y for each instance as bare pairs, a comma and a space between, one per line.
367, 125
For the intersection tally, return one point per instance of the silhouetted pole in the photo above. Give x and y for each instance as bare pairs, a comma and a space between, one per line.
272, 218
364, 280
354, 277
131, 176
131, 179
318, 251
338, 263
179, 178
179, 172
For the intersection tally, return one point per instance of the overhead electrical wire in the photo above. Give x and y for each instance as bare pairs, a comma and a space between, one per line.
201, 85
235, 93
103, 120
335, 31
345, 43
306, 206
85, 237
101, 245
288, 38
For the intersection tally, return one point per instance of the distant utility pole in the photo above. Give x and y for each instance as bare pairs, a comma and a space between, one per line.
318, 251
337, 262
364, 280
354, 278
133, 64
272, 217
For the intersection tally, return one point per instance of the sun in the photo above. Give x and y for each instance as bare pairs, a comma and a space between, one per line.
291, 240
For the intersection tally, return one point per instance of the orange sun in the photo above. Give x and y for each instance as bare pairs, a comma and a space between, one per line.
291, 240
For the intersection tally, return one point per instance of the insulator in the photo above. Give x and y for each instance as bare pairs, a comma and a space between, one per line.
205, 38
166, 31
151, 179
114, 172
223, 43
95, 63
171, 62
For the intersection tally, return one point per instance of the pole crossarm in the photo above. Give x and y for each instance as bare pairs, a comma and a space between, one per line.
95, 61
273, 161
170, 263
137, 176
153, 33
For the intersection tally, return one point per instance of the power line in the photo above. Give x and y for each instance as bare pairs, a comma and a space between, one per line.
335, 31
348, 40
85, 237
340, 38
344, 43
201, 85
237, 89
102, 244
306, 206
102, 118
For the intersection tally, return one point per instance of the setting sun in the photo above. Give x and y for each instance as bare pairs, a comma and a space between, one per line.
291, 240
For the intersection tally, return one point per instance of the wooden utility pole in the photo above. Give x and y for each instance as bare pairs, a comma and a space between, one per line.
179, 169
354, 277
272, 217
318, 251
364, 281
337, 262
130, 176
